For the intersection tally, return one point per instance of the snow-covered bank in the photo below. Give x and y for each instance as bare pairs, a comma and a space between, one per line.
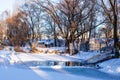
16, 66
111, 66
45, 57
85, 55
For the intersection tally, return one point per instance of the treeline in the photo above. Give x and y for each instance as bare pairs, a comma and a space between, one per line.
76, 21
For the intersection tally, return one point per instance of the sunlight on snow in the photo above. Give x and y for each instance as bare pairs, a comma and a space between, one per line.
118, 69
40, 73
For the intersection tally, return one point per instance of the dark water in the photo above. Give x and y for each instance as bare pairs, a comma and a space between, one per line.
44, 64
50, 63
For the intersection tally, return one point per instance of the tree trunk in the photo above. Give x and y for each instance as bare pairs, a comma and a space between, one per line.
116, 49
55, 36
67, 45
88, 47
106, 41
71, 48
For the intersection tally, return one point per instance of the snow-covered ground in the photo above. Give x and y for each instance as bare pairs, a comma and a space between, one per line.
111, 66
86, 55
14, 66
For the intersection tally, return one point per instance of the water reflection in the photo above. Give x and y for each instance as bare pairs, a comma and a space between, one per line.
52, 63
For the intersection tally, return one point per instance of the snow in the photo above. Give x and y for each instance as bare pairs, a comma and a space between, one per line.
59, 49
42, 57
11, 73
13, 66
86, 55
111, 66
99, 57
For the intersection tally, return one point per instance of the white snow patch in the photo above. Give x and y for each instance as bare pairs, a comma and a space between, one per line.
111, 66
85, 55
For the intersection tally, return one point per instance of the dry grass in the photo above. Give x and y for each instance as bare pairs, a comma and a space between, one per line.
42, 46
53, 52
35, 50
1, 47
18, 49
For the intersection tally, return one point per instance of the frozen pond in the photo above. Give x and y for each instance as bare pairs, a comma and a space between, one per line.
38, 64
49, 68
52, 63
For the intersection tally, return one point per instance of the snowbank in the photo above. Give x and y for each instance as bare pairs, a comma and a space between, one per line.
111, 66
85, 55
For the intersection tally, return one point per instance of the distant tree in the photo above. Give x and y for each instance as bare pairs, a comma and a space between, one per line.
1, 32
106, 31
33, 18
50, 28
111, 12
3, 27
18, 30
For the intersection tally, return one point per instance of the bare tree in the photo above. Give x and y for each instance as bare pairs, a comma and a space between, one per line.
3, 26
71, 18
50, 28
105, 32
33, 17
18, 30
111, 11
65, 15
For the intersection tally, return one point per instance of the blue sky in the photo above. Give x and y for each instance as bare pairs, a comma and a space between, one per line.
8, 5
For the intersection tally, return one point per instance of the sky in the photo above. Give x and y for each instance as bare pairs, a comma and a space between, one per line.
8, 5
